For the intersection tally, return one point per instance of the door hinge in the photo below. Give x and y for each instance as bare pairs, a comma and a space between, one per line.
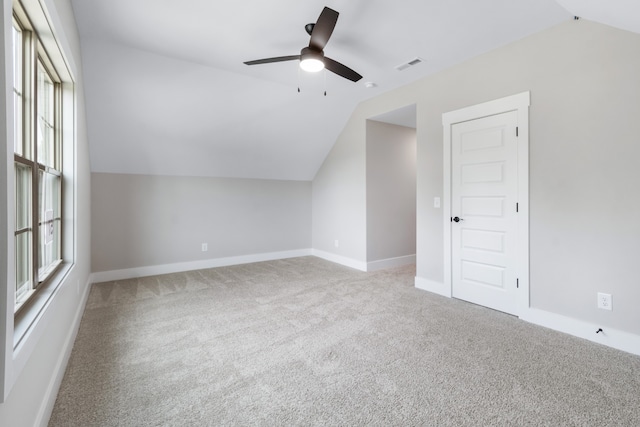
518, 283
517, 207
516, 131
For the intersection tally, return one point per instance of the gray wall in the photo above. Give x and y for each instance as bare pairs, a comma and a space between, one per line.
584, 127
391, 191
142, 220
339, 199
33, 393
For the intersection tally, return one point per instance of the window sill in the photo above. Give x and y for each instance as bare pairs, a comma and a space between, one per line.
28, 316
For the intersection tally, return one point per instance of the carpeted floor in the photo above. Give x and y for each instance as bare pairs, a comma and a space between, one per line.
304, 342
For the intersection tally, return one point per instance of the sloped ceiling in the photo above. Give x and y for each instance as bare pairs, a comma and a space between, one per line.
623, 14
167, 91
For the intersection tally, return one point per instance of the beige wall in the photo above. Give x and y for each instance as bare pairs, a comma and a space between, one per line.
143, 221
584, 127
391, 191
339, 199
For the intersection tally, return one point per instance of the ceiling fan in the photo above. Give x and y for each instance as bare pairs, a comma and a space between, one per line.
312, 57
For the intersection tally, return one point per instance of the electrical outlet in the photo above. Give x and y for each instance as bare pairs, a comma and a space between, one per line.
336, 243
205, 247
436, 202
604, 301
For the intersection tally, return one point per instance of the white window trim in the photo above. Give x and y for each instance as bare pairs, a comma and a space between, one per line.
18, 344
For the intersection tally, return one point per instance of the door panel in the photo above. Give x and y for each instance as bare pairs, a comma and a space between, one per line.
483, 240
484, 195
488, 172
483, 274
473, 207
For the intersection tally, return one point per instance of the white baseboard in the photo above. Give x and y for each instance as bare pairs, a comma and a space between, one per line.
49, 400
131, 273
338, 259
433, 286
617, 339
610, 337
391, 262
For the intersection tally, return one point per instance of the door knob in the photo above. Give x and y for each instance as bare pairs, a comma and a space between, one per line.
457, 219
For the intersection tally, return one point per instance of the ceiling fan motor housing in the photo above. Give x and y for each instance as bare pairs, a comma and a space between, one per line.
309, 53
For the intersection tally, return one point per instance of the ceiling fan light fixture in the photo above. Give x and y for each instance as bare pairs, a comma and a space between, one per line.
311, 61
311, 65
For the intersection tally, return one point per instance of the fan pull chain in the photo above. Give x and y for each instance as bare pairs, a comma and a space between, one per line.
325, 82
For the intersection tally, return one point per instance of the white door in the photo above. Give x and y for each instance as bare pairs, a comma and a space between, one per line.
484, 186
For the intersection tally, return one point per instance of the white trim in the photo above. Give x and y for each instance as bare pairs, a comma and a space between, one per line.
520, 103
446, 205
130, 273
432, 286
153, 270
49, 400
53, 24
523, 202
383, 264
497, 106
338, 259
28, 332
610, 337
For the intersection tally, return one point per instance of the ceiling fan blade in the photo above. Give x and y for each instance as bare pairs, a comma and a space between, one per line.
323, 29
276, 59
341, 70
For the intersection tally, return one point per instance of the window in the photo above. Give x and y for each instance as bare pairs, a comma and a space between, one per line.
40, 185
37, 102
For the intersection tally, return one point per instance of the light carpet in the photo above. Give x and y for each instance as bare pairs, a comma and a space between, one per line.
304, 342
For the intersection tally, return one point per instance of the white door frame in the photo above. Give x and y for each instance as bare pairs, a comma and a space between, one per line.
519, 103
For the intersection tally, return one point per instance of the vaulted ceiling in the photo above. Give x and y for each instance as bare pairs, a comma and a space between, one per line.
167, 92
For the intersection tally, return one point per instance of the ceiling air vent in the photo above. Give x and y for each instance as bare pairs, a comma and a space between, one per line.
411, 63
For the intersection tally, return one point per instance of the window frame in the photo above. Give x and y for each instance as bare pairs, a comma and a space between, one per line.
36, 60
22, 332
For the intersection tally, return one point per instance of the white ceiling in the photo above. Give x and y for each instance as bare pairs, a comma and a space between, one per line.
167, 91
624, 14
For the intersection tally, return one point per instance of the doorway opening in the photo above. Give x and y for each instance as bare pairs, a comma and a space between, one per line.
391, 188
